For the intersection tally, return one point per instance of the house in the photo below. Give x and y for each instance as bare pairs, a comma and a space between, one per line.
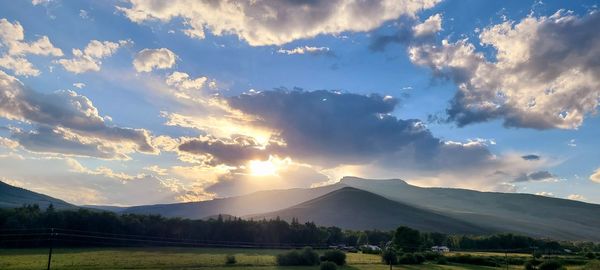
440, 249
370, 247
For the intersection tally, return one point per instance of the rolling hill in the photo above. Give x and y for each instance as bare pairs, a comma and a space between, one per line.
528, 214
380, 204
253, 203
11, 196
353, 208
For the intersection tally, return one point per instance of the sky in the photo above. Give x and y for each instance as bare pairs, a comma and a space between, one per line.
133, 102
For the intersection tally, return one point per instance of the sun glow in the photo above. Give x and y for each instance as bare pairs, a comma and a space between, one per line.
268, 167
262, 168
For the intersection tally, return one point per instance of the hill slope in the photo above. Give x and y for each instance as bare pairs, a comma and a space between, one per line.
528, 214
11, 196
257, 202
352, 208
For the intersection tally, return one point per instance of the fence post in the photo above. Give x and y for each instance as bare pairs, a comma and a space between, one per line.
50, 251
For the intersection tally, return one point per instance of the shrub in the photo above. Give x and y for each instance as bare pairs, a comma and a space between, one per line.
593, 265
328, 266
306, 256
388, 256
590, 255
411, 258
336, 256
289, 258
442, 260
551, 265
474, 260
432, 256
531, 264
309, 256
230, 259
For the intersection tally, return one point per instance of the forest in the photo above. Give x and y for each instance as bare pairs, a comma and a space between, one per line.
31, 226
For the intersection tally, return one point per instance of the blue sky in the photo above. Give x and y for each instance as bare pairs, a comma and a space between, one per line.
231, 99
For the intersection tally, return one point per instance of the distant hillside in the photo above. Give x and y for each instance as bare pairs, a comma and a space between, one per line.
257, 202
352, 208
533, 215
11, 196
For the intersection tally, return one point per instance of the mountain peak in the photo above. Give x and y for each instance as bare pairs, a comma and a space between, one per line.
354, 179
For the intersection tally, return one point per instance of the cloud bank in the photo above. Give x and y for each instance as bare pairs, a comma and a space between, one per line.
543, 75
273, 22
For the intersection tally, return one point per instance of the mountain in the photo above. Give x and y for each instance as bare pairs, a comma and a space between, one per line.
11, 196
528, 214
257, 202
352, 208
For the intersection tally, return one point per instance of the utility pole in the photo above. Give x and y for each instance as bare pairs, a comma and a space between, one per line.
50, 238
506, 258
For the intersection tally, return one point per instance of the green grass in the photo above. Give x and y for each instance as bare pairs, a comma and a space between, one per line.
182, 258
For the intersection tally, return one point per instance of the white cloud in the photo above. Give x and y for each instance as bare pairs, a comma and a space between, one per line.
21, 66
182, 81
572, 143
596, 176
545, 194
75, 166
12, 38
8, 143
83, 14
148, 59
429, 27
576, 197
40, 2
79, 85
544, 74
305, 50
273, 22
90, 59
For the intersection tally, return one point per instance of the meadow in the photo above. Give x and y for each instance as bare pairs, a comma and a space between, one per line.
185, 258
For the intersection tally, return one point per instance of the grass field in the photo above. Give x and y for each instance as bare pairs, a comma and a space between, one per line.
180, 258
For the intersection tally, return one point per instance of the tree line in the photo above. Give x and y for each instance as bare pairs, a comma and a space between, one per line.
260, 233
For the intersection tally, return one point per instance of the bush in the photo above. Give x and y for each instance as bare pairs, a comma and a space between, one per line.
551, 265
230, 259
474, 260
388, 256
306, 256
336, 256
289, 258
531, 264
411, 258
593, 265
309, 256
442, 260
432, 256
590, 255
328, 266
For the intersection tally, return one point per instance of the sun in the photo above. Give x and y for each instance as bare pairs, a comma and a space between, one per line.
262, 168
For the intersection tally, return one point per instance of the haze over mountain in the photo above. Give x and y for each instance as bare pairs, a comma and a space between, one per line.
253, 203
528, 214
11, 196
357, 209
357, 203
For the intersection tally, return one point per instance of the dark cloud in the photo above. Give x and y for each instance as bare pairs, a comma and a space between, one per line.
64, 109
535, 176
403, 35
335, 127
236, 151
531, 157
408, 31
48, 140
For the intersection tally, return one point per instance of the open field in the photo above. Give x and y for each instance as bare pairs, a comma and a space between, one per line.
181, 258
